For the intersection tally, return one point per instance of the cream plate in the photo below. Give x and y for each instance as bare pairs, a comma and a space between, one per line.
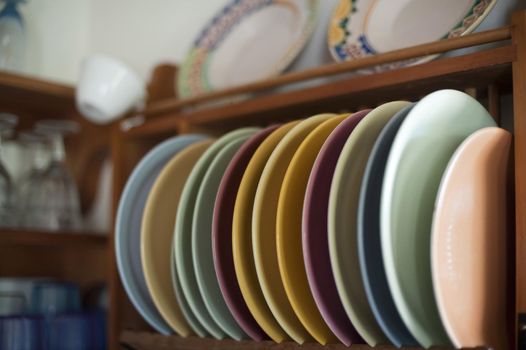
342, 220
156, 238
248, 40
360, 28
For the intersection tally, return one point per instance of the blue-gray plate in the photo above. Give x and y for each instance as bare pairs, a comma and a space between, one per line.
369, 245
128, 226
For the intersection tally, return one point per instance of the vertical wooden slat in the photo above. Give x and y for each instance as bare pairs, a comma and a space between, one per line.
494, 102
519, 119
115, 288
471, 91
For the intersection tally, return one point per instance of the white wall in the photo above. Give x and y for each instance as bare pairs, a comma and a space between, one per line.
143, 33
57, 33
140, 32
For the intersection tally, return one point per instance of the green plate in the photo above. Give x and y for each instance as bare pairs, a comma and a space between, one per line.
183, 234
342, 220
202, 240
421, 150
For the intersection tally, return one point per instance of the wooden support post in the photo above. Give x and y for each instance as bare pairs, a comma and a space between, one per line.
494, 102
115, 288
519, 120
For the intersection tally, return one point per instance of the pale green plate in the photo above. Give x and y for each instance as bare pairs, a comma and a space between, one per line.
425, 142
183, 234
342, 220
202, 240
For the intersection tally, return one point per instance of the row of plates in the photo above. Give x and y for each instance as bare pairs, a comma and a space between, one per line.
381, 226
250, 40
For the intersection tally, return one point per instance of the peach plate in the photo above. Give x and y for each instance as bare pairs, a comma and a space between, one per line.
468, 248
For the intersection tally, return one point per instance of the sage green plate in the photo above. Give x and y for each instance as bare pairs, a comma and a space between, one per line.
342, 220
202, 254
183, 234
421, 150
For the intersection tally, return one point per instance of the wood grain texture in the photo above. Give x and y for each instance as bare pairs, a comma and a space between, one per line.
153, 341
519, 121
502, 69
41, 98
17, 237
474, 70
338, 68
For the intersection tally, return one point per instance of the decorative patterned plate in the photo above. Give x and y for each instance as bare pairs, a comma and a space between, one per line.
421, 150
222, 234
156, 238
128, 226
360, 28
468, 250
248, 40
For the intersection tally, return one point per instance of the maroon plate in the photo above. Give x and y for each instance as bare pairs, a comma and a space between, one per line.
222, 235
315, 235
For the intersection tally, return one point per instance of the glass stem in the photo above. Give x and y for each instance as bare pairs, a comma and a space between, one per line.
58, 149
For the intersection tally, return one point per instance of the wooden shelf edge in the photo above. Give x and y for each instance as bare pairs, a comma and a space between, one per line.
403, 78
437, 47
47, 238
154, 341
36, 85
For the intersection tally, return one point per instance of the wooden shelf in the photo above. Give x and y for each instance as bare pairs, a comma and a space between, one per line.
153, 341
498, 70
473, 70
20, 94
45, 238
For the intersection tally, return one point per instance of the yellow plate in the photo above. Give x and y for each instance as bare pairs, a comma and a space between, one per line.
242, 237
264, 229
264, 239
157, 233
289, 221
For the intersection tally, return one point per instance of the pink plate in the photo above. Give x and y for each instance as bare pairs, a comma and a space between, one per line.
468, 247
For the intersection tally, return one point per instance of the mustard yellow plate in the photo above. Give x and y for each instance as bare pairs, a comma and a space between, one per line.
299, 149
156, 239
242, 237
264, 238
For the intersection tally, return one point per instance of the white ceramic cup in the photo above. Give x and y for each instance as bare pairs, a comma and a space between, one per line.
107, 89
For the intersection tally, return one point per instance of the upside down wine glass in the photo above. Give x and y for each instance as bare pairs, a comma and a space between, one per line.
7, 195
53, 200
36, 150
